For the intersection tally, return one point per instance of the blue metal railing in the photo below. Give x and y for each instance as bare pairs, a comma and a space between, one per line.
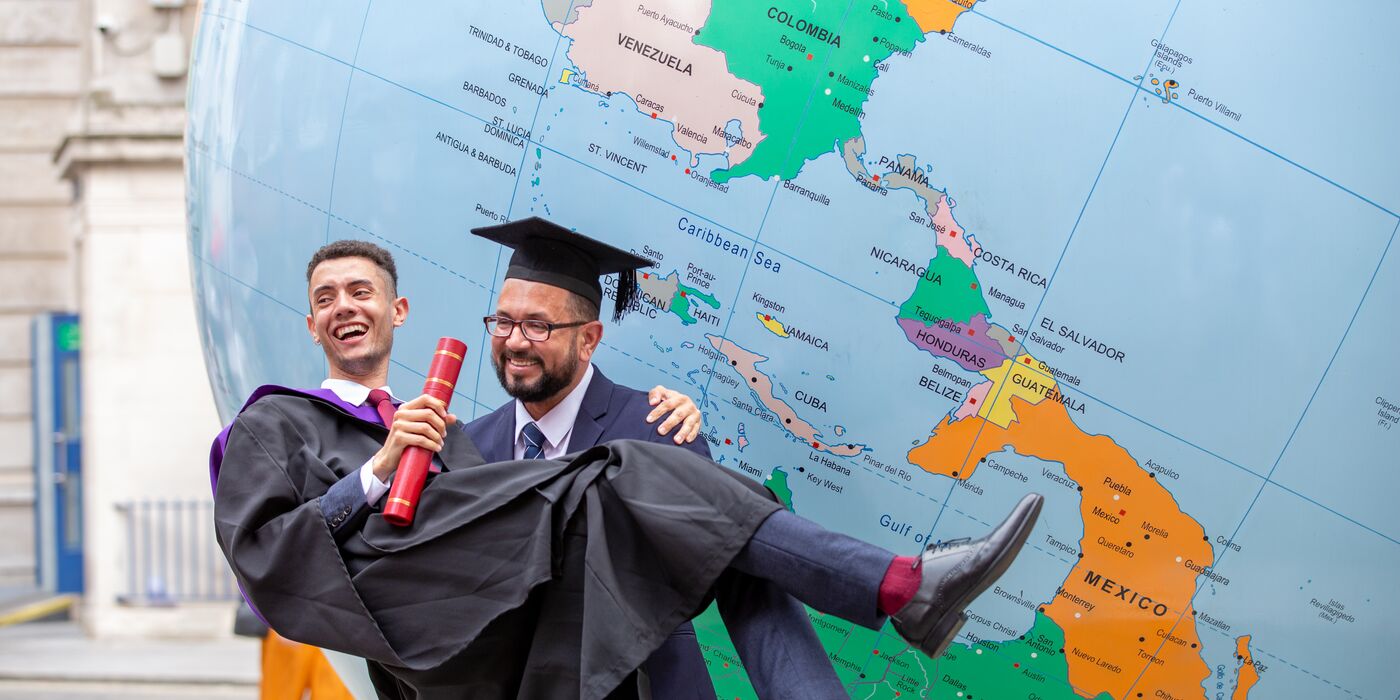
171, 555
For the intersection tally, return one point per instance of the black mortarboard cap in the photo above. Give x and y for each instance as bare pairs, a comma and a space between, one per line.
551, 254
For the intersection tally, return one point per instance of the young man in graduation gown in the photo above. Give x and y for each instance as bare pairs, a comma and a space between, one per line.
543, 578
544, 332
353, 296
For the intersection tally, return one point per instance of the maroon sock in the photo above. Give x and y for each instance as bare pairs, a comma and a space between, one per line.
898, 586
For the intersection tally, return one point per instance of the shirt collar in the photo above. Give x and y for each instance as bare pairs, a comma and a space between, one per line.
353, 392
559, 422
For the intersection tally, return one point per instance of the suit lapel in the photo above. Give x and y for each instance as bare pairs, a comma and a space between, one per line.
494, 434
588, 425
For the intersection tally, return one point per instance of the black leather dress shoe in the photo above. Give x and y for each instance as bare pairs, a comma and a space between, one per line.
957, 571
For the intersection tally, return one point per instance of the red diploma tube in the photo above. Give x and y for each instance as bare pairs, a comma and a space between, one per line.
413, 465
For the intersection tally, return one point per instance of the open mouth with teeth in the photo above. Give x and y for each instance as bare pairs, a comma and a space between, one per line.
519, 363
521, 360
351, 331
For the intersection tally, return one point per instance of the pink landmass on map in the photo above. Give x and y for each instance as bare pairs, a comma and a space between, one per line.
950, 234
648, 51
745, 362
973, 403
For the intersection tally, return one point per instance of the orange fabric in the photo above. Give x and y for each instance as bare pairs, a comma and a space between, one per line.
289, 669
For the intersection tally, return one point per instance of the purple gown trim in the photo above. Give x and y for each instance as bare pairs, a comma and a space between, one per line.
364, 412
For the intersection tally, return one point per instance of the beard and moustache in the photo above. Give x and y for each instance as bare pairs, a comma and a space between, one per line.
549, 383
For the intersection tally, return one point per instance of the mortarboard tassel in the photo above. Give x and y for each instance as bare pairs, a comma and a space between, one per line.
626, 293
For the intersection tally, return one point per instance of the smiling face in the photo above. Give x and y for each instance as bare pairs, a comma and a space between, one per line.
541, 373
354, 312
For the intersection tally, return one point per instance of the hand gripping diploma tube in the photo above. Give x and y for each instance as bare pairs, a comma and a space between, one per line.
413, 465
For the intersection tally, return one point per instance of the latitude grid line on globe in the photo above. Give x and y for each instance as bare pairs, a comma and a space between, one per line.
1071, 55
668, 202
935, 500
1000, 389
1138, 86
1198, 116
299, 314
196, 153
340, 129
773, 194
688, 211
1075, 390
1119, 410
1268, 479
510, 208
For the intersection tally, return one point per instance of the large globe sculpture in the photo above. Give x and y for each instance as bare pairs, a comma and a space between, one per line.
915, 259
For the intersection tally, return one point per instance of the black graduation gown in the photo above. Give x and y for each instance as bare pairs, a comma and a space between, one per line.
533, 579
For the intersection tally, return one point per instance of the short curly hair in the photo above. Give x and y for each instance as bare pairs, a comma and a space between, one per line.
356, 249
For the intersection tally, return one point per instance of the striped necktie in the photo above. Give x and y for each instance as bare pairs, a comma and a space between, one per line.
534, 441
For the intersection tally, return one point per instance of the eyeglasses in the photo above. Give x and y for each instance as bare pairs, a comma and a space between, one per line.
533, 330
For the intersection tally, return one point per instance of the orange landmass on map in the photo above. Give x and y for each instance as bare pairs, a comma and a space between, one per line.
1247, 675
937, 15
1125, 606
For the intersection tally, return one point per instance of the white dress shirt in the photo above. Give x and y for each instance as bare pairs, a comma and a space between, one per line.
357, 394
557, 425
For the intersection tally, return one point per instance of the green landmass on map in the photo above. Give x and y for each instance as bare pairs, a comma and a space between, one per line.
881, 665
777, 482
949, 290
769, 43
685, 296
1031, 666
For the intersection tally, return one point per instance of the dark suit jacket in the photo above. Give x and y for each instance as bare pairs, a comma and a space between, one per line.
609, 411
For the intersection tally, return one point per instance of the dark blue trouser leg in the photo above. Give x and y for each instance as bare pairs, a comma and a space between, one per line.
775, 639
678, 670
831, 572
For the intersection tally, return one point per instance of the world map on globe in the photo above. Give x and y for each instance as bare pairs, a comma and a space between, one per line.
913, 259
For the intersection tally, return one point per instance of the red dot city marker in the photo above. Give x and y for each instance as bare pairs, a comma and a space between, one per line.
767, 317
815, 445
653, 115
682, 294
646, 275
974, 285
809, 57
971, 332
877, 178
673, 157
1122, 512
1011, 338
972, 400
1028, 360
687, 171
1015, 665
727, 441
954, 234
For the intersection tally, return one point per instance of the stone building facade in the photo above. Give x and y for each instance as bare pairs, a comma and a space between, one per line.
92, 220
